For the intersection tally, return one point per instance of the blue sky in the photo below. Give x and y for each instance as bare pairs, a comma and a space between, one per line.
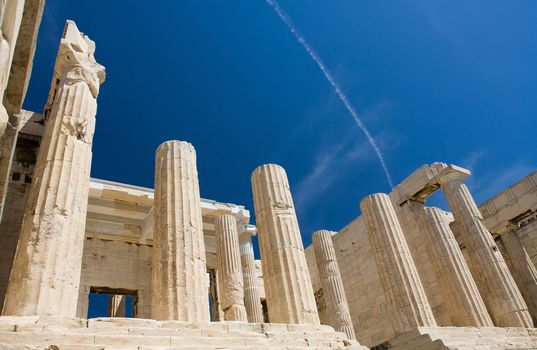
451, 81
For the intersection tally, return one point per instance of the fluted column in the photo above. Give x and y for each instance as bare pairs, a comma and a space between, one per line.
45, 277
332, 284
524, 271
117, 306
457, 286
399, 277
496, 284
285, 272
252, 295
179, 276
229, 265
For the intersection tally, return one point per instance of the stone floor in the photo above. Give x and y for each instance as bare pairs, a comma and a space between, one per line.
32, 333
463, 338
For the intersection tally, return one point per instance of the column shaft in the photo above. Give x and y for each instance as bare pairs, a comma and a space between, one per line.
229, 265
285, 272
524, 271
46, 271
252, 296
117, 306
399, 277
457, 286
496, 284
332, 284
179, 275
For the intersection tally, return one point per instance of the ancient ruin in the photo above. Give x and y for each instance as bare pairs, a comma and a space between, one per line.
180, 271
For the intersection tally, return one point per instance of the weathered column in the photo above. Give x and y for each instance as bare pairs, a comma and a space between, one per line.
338, 308
524, 271
179, 276
496, 284
252, 298
457, 286
46, 271
399, 277
229, 265
285, 272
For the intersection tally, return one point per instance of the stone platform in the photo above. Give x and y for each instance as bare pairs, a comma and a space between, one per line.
33, 332
463, 338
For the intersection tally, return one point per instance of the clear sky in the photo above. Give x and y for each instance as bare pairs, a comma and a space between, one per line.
451, 81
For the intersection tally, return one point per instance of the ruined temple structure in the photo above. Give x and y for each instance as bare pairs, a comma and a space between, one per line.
179, 271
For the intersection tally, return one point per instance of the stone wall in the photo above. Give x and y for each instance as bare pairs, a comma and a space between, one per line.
116, 265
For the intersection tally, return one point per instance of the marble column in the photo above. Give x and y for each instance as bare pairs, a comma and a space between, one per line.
338, 308
285, 273
45, 277
399, 277
179, 277
457, 286
252, 295
229, 266
117, 306
524, 272
496, 284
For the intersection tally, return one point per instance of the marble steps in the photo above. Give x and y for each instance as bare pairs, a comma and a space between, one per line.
122, 334
463, 338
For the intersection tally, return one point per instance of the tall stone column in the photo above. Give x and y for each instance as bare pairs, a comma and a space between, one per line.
399, 277
252, 295
457, 286
496, 284
332, 284
179, 277
46, 271
524, 271
285, 272
229, 265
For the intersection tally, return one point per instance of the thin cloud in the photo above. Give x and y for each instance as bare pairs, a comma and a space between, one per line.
492, 183
330, 165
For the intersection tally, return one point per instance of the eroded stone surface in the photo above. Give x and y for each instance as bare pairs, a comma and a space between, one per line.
229, 267
464, 303
333, 290
46, 272
252, 296
496, 284
402, 285
285, 272
179, 276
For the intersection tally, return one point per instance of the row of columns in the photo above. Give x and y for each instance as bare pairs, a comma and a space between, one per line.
480, 292
46, 271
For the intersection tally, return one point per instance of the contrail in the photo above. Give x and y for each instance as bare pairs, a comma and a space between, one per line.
328, 75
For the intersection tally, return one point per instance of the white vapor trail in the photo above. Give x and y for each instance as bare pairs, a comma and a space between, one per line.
328, 75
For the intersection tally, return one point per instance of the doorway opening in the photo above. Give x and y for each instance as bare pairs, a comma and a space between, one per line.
112, 302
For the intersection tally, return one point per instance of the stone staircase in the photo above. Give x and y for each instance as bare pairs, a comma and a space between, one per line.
34, 332
463, 338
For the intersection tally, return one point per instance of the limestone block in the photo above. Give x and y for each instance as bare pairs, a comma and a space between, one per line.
464, 303
332, 283
179, 275
229, 267
402, 285
285, 273
46, 272
496, 284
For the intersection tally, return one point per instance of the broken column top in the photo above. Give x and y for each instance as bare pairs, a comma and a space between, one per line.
76, 59
424, 181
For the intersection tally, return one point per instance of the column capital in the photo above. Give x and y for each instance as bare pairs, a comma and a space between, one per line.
76, 61
247, 231
450, 173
